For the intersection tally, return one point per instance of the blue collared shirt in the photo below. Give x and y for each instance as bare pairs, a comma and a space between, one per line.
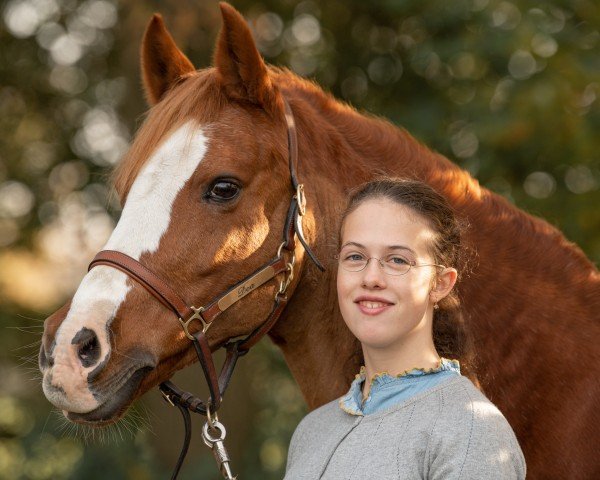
388, 390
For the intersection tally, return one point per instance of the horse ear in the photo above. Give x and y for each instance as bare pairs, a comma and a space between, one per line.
241, 69
162, 62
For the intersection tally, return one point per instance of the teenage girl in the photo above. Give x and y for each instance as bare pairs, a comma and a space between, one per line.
409, 414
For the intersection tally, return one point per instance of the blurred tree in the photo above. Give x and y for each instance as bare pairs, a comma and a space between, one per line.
507, 89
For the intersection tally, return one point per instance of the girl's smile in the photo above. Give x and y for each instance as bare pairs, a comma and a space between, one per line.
370, 305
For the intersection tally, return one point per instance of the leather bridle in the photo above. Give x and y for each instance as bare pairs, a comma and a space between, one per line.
282, 264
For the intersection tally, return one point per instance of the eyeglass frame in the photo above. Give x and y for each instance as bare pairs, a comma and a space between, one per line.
411, 264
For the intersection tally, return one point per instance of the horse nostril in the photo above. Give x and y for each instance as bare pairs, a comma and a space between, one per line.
88, 347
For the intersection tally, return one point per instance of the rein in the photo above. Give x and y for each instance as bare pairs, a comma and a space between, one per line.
282, 264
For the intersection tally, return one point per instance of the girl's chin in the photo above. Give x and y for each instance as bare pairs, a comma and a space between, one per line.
376, 339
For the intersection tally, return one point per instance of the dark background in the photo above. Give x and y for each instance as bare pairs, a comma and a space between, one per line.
506, 89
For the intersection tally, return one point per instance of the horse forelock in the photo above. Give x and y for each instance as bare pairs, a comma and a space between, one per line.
197, 97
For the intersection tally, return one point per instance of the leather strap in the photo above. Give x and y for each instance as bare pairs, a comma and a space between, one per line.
262, 330
187, 423
169, 298
176, 396
215, 308
146, 278
295, 222
292, 142
208, 367
234, 350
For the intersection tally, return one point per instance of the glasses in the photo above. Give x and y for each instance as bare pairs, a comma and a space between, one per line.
391, 265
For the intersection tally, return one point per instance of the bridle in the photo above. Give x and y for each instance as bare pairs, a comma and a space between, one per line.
282, 264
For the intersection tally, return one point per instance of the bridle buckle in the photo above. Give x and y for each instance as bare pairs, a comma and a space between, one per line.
301, 199
197, 315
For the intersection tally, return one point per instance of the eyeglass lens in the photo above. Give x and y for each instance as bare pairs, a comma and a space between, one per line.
392, 264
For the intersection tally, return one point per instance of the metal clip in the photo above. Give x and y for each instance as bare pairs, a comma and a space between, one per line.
196, 316
218, 447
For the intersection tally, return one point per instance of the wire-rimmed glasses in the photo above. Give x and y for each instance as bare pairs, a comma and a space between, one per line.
392, 264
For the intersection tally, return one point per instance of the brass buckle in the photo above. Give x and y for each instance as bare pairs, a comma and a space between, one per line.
196, 316
301, 199
287, 279
285, 282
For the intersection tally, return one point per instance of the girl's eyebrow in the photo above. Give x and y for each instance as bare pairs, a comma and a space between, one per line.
402, 247
391, 247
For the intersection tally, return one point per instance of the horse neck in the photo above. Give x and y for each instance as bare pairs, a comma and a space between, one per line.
340, 149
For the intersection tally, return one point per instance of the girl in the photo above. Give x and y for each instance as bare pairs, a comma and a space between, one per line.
409, 414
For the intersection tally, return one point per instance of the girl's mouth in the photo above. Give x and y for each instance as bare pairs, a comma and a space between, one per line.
372, 307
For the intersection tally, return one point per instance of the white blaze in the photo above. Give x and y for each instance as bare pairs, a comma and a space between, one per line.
144, 220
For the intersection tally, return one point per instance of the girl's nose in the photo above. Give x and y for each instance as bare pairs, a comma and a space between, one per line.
373, 275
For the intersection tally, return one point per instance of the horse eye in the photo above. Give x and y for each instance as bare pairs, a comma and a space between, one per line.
223, 190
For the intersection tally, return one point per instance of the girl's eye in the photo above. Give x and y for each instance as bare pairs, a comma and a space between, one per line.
398, 260
223, 191
353, 257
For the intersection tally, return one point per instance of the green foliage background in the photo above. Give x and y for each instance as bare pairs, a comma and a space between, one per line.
507, 89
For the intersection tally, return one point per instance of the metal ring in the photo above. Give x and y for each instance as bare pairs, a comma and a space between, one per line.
279, 249
216, 426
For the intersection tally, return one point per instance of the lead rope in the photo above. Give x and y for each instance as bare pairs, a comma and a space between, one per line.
187, 421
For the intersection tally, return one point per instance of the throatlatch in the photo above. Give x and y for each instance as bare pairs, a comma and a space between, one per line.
282, 265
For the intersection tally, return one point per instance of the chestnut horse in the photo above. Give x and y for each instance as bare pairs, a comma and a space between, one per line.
205, 188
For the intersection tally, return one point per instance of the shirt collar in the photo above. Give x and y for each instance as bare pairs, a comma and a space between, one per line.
352, 401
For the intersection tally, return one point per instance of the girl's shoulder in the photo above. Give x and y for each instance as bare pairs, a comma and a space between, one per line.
471, 434
329, 413
459, 406
462, 397
455, 411
464, 404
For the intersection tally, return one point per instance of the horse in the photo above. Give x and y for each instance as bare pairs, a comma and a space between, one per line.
205, 188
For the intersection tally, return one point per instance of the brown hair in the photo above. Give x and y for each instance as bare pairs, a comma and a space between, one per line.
450, 336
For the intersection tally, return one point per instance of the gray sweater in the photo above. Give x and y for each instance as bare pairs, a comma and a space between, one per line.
451, 431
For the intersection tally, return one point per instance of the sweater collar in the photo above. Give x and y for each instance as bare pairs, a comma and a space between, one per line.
352, 401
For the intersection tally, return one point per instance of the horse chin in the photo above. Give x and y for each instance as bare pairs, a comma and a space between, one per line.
116, 403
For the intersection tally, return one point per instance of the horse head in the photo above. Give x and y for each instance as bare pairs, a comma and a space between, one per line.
205, 189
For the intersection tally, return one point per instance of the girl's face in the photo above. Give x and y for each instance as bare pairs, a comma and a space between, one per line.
385, 311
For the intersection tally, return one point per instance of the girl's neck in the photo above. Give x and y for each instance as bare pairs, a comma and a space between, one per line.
395, 362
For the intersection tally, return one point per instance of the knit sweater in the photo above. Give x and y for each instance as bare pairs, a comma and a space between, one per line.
451, 431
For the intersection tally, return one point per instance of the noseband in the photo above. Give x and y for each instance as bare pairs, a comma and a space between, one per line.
282, 265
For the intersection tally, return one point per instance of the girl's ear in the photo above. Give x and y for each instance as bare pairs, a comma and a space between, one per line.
444, 282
